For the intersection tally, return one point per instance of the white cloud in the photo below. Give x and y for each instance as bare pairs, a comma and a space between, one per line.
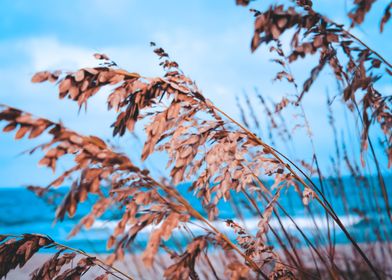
49, 53
222, 65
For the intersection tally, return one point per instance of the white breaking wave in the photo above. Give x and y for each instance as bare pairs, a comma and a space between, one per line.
251, 224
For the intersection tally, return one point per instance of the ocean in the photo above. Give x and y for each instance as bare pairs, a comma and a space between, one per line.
363, 214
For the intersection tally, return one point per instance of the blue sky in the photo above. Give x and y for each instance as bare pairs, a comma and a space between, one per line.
210, 40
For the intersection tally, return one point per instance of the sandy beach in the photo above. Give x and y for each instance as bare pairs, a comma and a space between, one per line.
134, 267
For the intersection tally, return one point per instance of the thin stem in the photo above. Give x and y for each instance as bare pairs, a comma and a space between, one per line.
275, 153
348, 33
102, 264
96, 259
193, 212
367, 47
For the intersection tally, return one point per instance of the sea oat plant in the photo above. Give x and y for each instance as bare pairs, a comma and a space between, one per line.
221, 157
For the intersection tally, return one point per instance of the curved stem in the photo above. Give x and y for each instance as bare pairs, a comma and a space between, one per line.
323, 203
193, 212
96, 259
348, 33
367, 47
102, 264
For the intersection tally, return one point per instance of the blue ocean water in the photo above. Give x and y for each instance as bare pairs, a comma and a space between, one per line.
363, 214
